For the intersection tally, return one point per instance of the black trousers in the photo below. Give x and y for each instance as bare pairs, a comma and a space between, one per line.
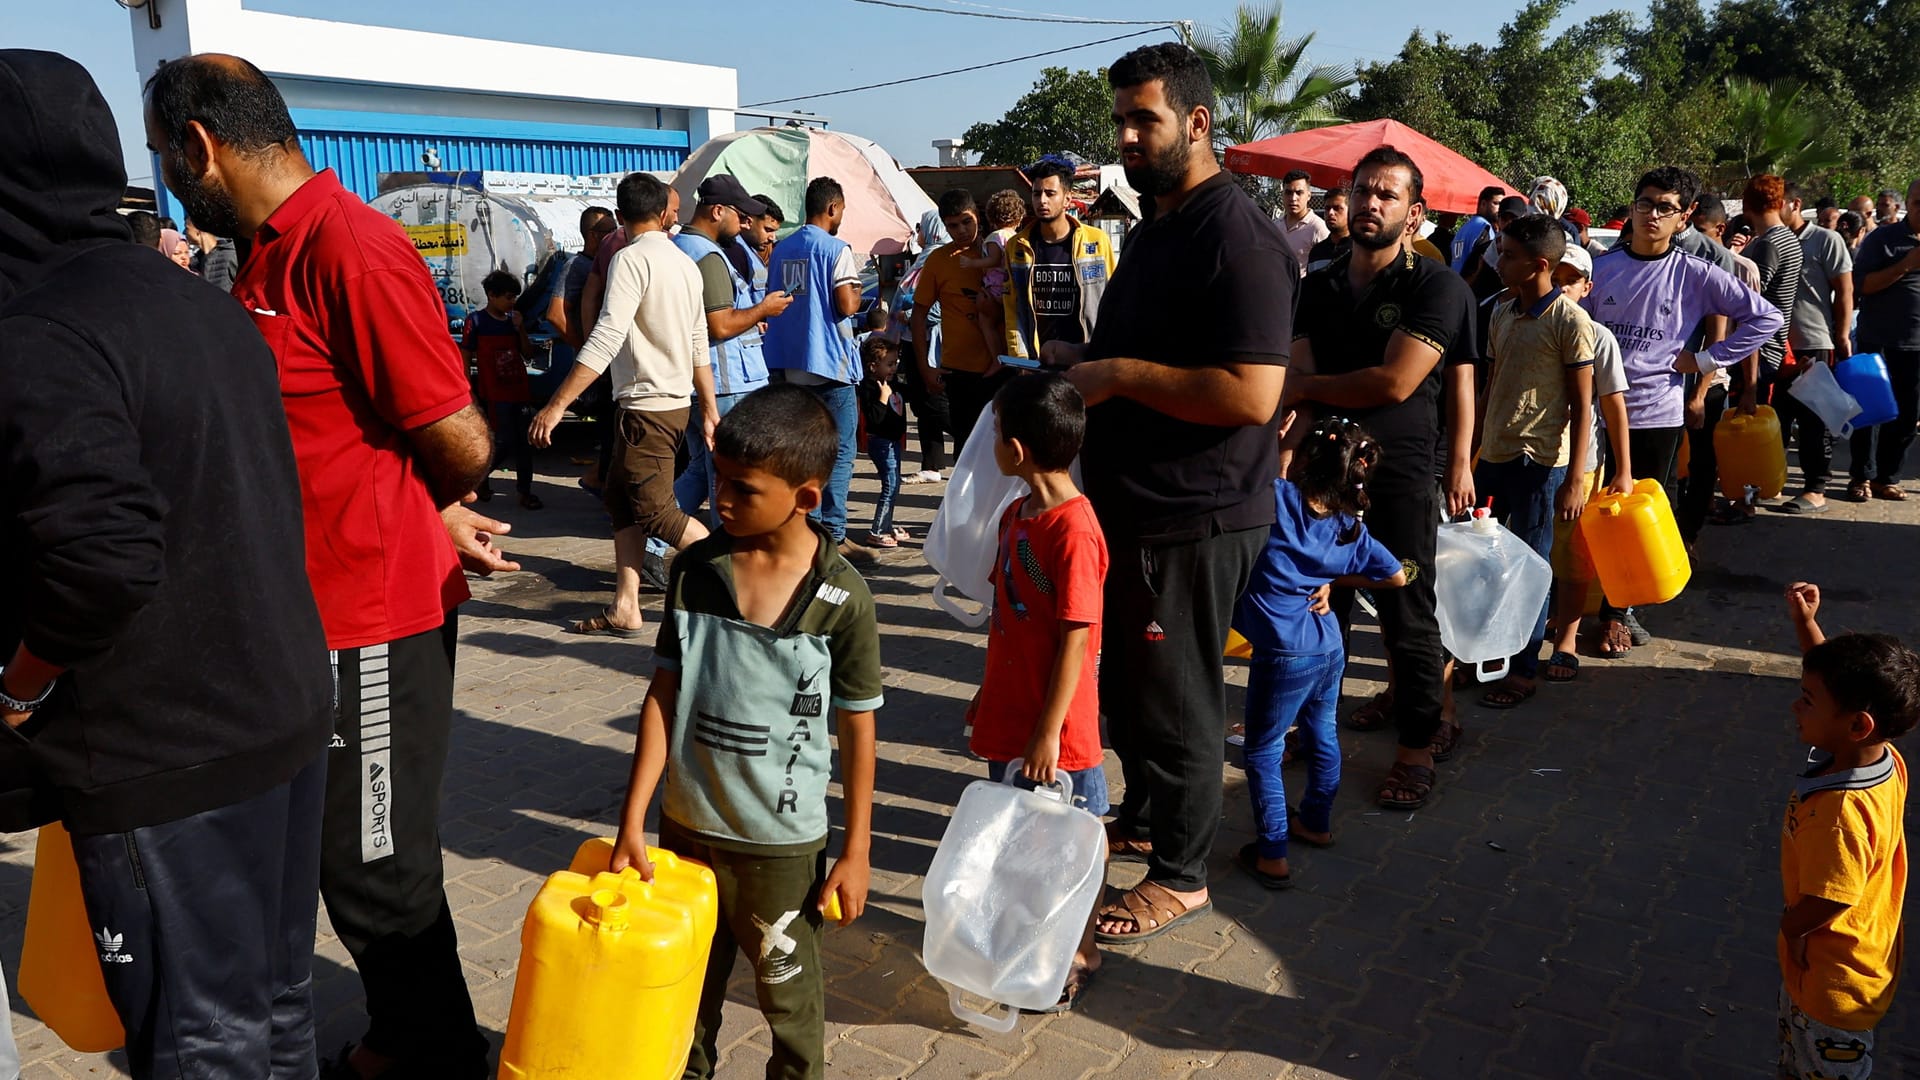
380, 871
968, 396
1703, 469
1880, 451
1163, 690
205, 929
1408, 523
1808, 432
929, 413
510, 422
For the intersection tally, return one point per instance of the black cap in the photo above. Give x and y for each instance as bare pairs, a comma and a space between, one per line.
722, 189
1516, 206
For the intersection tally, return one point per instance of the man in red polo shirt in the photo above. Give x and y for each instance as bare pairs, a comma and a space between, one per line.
388, 445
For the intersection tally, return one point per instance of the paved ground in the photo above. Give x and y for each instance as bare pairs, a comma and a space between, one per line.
1593, 893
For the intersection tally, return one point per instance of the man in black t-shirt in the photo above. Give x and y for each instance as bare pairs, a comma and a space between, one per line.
1183, 378
1337, 242
1383, 337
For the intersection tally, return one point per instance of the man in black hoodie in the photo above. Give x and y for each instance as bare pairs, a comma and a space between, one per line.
166, 685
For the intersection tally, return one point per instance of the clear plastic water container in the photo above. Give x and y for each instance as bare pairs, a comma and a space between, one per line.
1490, 586
964, 535
1008, 896
1817, 389
1864, 375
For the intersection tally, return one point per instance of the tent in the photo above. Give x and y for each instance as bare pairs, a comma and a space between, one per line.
883, 202
1452, 182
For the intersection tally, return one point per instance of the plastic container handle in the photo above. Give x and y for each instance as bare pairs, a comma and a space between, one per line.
1491, 670
1009, 1020
952, 607
1061, 788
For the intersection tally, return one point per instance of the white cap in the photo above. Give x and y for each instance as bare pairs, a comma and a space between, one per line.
1578, 258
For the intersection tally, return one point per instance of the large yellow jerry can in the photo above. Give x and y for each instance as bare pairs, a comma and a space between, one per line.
1635, 545
610, 970
60, 962
1750, 453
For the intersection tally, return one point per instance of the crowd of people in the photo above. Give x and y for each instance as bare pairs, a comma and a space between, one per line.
238, 548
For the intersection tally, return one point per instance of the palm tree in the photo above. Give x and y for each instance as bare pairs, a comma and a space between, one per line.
1262, 80
1773, 131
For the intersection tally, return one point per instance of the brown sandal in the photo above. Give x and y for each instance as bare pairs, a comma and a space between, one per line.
1859, 491
1375, 715
1413, 783
1445, 741
1126, 849
1152, 909
1889, 492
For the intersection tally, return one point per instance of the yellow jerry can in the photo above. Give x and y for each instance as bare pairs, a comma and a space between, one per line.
60, 961
610, 970
1635, 545
1750, 453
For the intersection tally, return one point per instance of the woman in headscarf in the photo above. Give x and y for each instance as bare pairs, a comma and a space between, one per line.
174, 246
929, 410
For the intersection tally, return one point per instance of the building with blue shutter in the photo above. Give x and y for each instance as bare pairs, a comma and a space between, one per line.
370, 100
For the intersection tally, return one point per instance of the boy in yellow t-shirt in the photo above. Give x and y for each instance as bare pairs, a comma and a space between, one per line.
1843, 850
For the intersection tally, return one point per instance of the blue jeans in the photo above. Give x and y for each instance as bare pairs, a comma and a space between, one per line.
1089, 785
886, 456
1282, 691
844, 407
1523, 492
695, 486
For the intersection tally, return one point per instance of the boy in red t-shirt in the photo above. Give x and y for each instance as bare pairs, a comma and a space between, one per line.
496, 342
1039, 700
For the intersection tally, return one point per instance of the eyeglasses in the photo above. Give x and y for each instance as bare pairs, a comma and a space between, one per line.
1656, 210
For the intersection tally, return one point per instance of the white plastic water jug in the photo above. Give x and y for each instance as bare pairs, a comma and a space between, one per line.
1490, 586
963, 538
966, 530
1009, 894
1818, 390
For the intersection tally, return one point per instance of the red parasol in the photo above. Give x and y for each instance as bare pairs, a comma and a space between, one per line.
1452, 182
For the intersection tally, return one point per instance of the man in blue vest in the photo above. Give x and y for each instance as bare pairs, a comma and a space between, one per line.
734, 316
812, 345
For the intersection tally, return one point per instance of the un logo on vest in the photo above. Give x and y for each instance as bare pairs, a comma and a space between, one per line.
1387, 316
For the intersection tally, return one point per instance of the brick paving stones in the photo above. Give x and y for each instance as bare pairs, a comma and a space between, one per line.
1593, 893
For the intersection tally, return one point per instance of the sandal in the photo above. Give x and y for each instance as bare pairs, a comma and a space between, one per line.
1800, 504
1248, 859
603, 624
1445, 741
1889, 492
1126, 849
1859, 491
1375, 715
1414, 783
1615, 642
1567, 662
1636, 633
1078, 979
1509, 695
1153, 910
530, 501
900, 533
882, 540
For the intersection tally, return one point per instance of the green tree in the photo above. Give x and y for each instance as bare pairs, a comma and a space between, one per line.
1532, 103
1066, 111
1771, 129
1263, 82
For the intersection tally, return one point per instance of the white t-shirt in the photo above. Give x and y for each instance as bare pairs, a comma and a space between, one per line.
653, 326
1609, 377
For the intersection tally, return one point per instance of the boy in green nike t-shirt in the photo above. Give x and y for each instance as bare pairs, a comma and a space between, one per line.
766, 624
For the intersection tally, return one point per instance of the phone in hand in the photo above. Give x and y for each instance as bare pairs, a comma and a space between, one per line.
1021, 362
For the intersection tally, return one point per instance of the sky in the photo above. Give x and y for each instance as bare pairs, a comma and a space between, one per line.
788, 47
